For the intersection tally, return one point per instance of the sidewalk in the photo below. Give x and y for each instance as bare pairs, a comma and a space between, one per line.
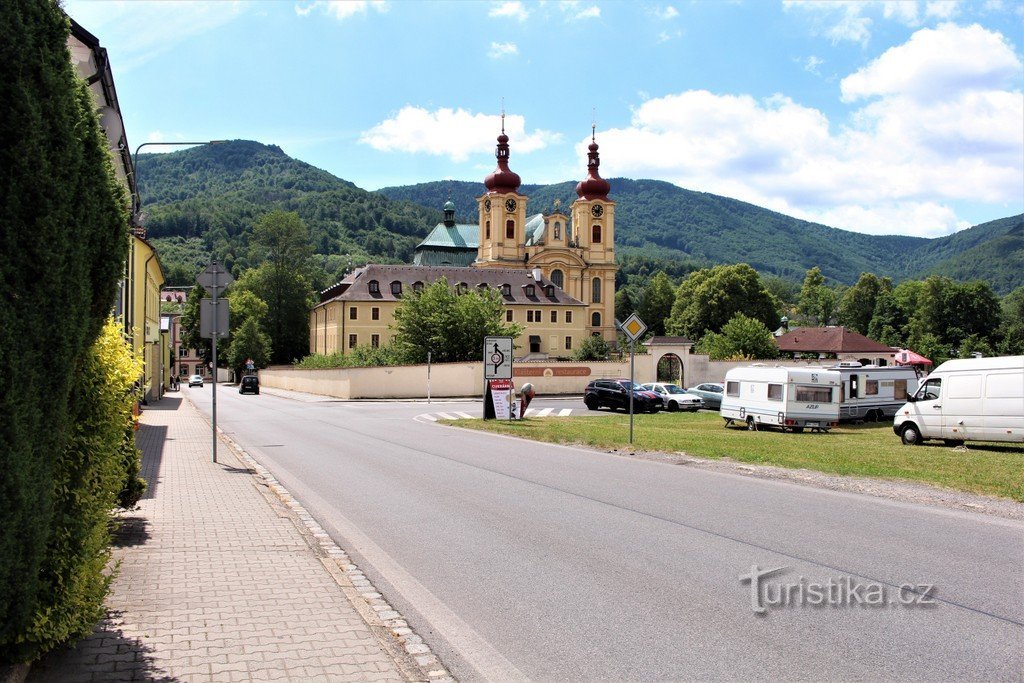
219, 581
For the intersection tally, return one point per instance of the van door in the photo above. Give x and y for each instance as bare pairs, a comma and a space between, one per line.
926, 410
962, 408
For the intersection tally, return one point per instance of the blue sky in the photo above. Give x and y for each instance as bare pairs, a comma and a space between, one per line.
884, 117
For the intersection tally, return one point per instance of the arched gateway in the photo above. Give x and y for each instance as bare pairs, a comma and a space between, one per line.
669, 356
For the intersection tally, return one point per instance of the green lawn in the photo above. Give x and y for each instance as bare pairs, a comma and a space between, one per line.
862, 450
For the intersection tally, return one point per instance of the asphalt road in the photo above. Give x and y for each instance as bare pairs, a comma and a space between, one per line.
522, 560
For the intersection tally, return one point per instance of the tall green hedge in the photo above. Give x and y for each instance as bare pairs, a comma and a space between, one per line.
63, 244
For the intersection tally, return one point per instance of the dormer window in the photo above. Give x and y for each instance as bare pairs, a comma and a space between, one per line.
461, 288
506, 290
396, 288
482, 286
530, 290
417, 286
549, 290
373, 286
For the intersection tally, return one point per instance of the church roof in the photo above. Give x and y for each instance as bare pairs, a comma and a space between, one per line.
444, 256
535, 229
461, 235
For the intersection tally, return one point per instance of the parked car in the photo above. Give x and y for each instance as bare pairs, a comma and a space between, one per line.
710, 394
195, 381
614, 394
249, 384
673, 397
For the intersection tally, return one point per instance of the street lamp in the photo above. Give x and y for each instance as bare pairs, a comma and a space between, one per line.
136, 199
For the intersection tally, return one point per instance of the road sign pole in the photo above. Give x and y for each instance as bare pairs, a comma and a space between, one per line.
428, 377
215, 330
214, 279
631, 383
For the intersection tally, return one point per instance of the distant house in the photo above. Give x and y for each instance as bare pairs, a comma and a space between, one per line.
836, 343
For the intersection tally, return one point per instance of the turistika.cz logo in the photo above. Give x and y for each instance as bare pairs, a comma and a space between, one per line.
834, 592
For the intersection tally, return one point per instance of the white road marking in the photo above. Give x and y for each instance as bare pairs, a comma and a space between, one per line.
565, 412
446, 416
545, 412
465, 416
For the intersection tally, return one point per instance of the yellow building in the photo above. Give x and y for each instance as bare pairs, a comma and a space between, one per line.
556, 272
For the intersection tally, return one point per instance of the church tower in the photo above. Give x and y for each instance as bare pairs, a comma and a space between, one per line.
593, 220
502, 214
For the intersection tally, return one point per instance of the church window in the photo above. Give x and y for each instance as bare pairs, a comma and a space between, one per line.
558, 279
487, 229
595, 319
510, 229
595, 295
558, 230
596, 239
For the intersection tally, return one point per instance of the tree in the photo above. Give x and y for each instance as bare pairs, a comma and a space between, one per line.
281, 248
63, 245
1012, 330
857, 307
451, 326
190, 327
888, 321
948, 313
707, 299
593, 347
249, 343
741, 338
656, 307
817, 300
624, 306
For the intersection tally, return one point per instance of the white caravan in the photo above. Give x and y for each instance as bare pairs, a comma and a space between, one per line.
872, 393
789, 398
971, 399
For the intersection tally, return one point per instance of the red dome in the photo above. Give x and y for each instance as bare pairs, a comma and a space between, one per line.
503, 179
593, 186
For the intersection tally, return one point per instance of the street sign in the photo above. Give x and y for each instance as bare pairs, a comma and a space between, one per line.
497, 357
634, 327
215, 279
207, 308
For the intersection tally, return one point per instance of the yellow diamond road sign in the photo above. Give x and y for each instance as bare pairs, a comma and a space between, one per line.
634, 327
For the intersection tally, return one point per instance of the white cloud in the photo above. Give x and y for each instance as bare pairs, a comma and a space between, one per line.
936, 62
812, 63
669, 12
942, 9
851, 20
592, 12
512, 9
574, 10
928, 133
454, 133
499, 50
341, 9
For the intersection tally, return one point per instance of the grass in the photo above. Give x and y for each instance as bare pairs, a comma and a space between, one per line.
860, 450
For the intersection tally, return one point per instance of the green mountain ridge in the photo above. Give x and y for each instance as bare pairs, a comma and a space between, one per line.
207, 199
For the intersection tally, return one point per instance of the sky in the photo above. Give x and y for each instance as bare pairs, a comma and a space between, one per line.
901, 117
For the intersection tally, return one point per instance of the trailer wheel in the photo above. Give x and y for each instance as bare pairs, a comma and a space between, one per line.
910, 435
751, 425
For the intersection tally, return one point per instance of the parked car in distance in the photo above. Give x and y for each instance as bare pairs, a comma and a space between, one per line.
249, 384
673, 397
195, 381
614, 394
710, 393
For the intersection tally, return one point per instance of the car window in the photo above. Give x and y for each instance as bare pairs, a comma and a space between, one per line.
716, 389
673, 389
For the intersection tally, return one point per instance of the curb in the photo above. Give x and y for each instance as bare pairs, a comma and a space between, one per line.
414, 658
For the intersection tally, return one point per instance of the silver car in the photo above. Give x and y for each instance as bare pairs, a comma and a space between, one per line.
710, 393
673, 397
195, 381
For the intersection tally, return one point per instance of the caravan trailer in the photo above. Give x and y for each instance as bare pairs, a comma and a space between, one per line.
872, 393
788, 398
968, 399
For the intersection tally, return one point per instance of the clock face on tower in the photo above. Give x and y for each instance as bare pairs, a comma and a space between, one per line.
596, 210
510, 205
487, 205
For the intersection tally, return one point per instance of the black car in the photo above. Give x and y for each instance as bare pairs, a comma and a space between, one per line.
614, 394
250, 384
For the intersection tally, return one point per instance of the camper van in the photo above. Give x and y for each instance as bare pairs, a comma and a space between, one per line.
971, 399
872, 393
788, 398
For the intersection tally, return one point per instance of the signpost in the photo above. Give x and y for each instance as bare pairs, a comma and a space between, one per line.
634, 328
497, 374
213, 322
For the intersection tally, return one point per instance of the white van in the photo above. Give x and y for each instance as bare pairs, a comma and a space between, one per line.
789, 398
873, 393
971, 399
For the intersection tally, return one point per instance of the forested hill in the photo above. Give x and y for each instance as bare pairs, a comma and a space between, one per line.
655, 218
203, 201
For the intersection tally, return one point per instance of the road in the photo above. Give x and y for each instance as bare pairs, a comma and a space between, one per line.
521, 560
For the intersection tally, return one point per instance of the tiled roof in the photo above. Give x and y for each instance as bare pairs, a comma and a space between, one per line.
666, 341
461, 235
828, 340
356, 287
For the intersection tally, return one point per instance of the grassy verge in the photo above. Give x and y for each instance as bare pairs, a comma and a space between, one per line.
861, 450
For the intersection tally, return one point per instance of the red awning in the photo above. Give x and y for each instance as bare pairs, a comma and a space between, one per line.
907, 357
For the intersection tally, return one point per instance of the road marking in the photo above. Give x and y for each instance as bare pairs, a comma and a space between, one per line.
565, 412
465, 416
446, 416
545, 412
428, 417
460, 415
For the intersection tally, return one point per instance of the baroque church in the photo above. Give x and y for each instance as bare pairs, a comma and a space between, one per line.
555, 272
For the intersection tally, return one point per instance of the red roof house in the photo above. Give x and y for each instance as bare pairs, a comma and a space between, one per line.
838, 342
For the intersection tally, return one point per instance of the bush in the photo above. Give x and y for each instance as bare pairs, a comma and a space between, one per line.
592, 348
364, 356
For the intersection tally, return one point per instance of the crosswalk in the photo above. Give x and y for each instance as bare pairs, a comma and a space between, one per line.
459, 415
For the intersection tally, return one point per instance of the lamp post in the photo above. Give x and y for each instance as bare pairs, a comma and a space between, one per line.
136, 199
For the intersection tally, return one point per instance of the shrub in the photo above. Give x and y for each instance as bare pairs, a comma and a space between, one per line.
592, 348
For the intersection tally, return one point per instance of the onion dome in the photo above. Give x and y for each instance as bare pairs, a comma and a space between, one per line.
503, 180
593, 186
449, 213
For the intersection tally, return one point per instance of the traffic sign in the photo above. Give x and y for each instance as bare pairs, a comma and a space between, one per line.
634, 327
213, 315
215, 279
497, 357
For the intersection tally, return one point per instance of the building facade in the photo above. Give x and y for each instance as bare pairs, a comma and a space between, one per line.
556, 272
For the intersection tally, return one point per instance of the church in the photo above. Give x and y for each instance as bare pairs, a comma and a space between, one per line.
555, 272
